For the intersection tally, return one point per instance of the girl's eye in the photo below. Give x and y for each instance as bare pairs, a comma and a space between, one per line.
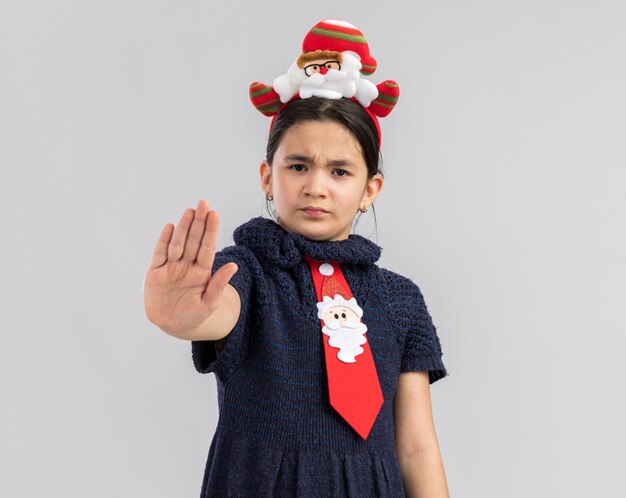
297, 167
341, 172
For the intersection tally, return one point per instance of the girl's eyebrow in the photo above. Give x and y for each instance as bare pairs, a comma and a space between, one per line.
309, 160
299, 157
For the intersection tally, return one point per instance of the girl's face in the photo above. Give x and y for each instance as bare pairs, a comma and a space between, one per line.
318, 180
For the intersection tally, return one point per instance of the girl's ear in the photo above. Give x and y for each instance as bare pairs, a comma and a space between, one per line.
265, 171
372, 189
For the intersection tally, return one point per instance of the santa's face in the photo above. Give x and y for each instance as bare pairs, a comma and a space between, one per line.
341, 315
321, 66
328, 76
319, 180
330, 79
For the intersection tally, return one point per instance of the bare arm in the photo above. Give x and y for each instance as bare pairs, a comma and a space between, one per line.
419, 456
181, 294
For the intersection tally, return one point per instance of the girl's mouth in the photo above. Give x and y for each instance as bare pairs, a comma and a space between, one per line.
314, 212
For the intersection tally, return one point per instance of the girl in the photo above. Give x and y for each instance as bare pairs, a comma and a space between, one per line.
323, 359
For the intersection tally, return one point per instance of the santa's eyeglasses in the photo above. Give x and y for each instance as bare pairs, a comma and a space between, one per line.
312, 69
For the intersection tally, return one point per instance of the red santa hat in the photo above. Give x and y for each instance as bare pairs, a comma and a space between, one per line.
334, 294
330, 285
340, 36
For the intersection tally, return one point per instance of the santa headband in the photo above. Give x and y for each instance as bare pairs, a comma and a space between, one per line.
335, 57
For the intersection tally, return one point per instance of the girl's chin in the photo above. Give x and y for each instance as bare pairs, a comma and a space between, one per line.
315, 230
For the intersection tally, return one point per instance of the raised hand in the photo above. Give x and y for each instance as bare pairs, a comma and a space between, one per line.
179, 291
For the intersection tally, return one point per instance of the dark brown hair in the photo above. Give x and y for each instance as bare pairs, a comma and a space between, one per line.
345, 112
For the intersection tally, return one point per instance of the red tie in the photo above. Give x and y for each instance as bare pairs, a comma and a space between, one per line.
352, 379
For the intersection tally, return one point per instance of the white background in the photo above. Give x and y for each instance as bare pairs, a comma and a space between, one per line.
504, 200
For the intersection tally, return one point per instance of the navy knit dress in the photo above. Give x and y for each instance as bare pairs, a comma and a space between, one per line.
277, 434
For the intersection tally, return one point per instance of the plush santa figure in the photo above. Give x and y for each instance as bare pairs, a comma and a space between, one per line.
335, 57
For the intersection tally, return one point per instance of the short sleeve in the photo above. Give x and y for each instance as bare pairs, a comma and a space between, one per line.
421, 347
205, 355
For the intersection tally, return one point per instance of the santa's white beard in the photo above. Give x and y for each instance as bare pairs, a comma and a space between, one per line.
332, 85
347, 338
335, 84
319, 79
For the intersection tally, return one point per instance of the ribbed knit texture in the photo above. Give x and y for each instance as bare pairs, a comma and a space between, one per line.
277, 433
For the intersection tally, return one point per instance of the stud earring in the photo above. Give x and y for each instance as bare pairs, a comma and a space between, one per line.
268, 197
363, 210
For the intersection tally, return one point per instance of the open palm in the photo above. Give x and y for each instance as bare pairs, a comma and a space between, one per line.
179, 291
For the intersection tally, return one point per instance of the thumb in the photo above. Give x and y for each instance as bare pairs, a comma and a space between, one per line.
218, 282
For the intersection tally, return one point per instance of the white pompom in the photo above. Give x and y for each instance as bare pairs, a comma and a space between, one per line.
326, 269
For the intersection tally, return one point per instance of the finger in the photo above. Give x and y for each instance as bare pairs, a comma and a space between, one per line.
195, 233
159, 256
218, 282
177, 244
206, 254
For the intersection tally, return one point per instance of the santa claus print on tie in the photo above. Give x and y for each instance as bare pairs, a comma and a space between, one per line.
343, 326
341, 316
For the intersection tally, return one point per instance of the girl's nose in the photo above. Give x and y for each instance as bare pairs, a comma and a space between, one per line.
315, 184
323, 70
